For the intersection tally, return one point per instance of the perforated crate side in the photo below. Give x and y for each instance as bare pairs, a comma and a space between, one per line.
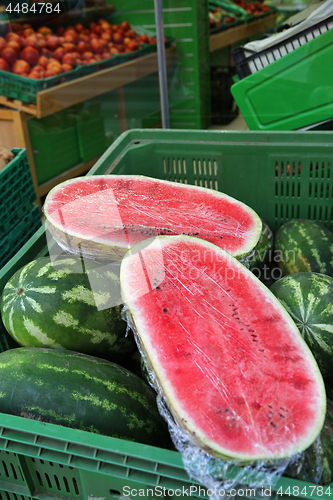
17, 192
11, 243
248, 62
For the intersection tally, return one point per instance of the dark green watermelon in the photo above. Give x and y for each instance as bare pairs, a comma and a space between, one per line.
83, 392
302, 245
262, 253
308, 298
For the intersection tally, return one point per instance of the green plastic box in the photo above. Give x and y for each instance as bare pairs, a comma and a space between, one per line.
281, 175
55, 150
25, 89
91, 137
17, 191
292, 92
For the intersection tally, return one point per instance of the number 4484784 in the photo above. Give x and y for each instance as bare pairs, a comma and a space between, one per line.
34, 8
306, 491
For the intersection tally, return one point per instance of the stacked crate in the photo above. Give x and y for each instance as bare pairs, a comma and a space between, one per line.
20, 217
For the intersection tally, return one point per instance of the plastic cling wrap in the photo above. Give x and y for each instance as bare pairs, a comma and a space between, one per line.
103, 216
238, 386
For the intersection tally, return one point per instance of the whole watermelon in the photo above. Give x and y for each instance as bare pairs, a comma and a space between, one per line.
52, 304
308, 298
83, 392
304, 245
262, 251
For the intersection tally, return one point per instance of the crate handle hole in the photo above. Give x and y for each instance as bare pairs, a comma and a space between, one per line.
137, 142
115, 492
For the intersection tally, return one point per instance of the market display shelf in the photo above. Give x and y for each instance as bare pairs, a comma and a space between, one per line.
281, 175
56, 98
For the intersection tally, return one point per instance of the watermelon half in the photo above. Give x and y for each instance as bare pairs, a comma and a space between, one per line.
233, 368
105, 215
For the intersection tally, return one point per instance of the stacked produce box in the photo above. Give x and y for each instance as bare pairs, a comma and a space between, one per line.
77, 134
20, 217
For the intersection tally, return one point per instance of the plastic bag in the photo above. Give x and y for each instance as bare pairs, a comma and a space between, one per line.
172, 346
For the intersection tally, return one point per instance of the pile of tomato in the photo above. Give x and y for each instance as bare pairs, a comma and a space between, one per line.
218, 17
42, 53
254, 8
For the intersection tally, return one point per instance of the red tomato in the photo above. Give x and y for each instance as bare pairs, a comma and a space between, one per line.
59, 53
3, 43
55, 67
21, 66
125, 25
69, 47
117, 37
79, 27
43, 61
4, 64
66, 67
44, 30
70, 59
52, 42
29, 54
87, 55
14, 45
96, 46
132, 45
9, 55
82, 47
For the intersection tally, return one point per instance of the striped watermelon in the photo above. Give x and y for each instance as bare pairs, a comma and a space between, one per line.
231, 364
304, 245
83, 392
52, 304
263, 249
104, 215
308, 298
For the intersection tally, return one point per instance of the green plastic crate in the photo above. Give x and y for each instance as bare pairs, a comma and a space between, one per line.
54, 150
17, 191
92, 139
20, 233
281, 175
292, 92
25, 89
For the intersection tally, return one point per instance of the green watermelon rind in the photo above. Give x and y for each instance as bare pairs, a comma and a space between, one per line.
159, 379
308, 298
74, 242
71, 389
56, 308
262, 250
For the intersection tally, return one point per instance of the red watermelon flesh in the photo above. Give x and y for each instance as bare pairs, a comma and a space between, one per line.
105, 215
234, 369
